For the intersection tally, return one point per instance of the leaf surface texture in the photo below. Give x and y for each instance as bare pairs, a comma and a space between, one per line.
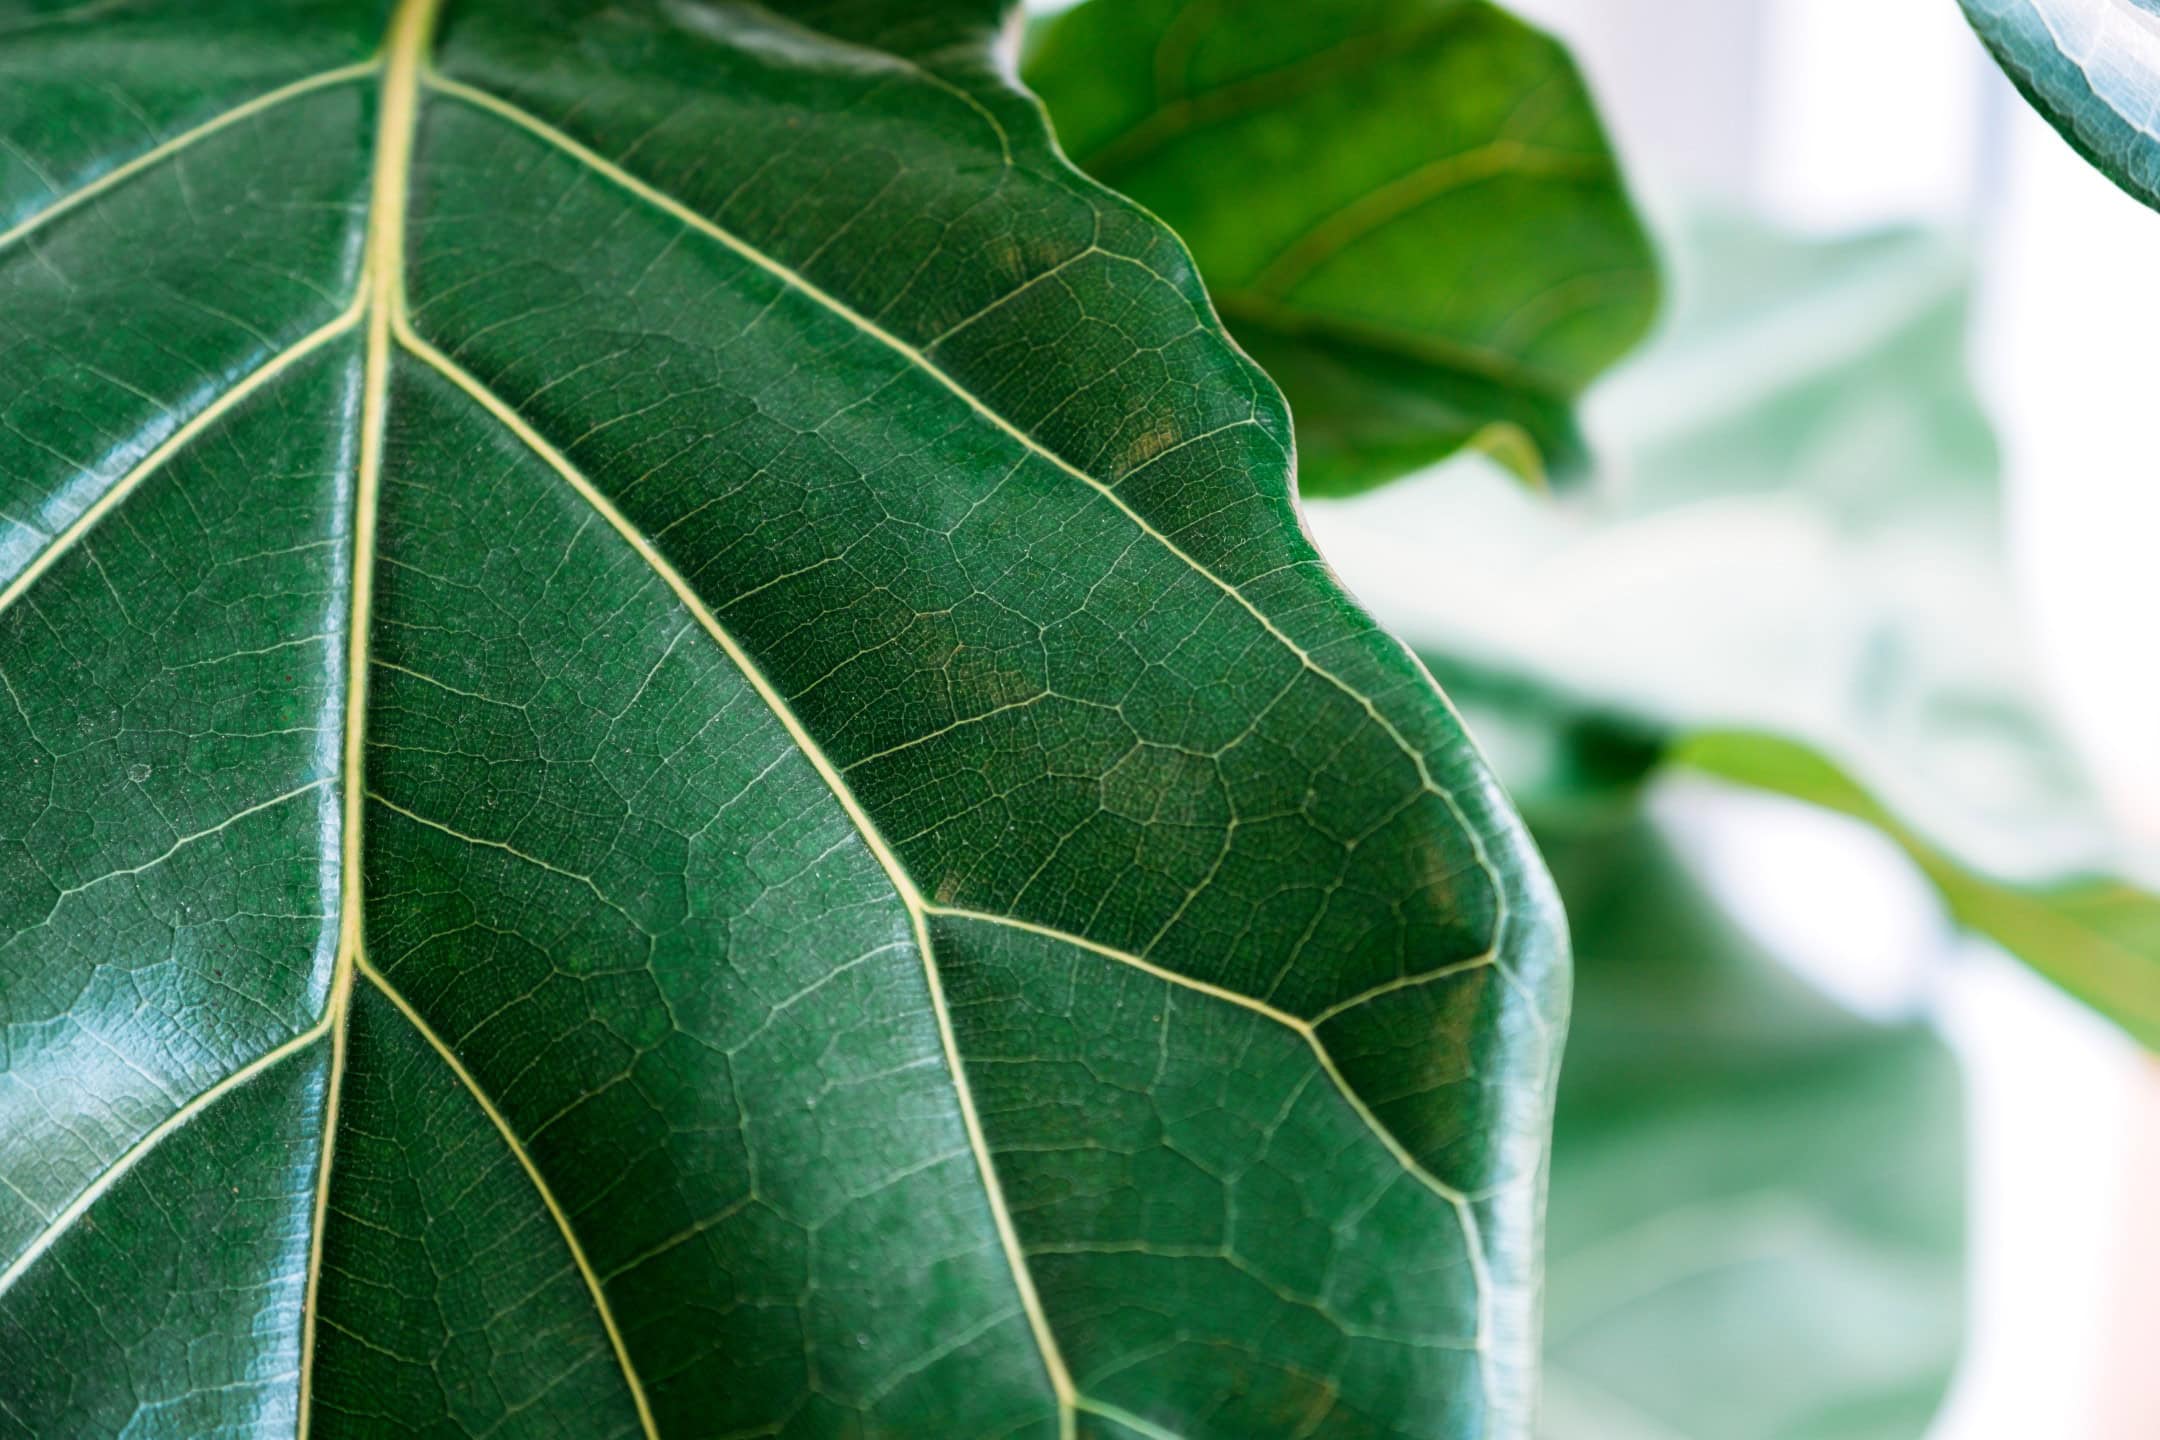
2092, 68
672, 765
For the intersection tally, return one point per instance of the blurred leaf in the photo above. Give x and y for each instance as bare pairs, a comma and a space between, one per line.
1405, 209
2096, 938
1798, 549
1756, 1226
2092, 67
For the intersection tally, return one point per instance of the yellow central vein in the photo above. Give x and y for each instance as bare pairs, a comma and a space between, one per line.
379, 282
380, 302
903, 884
382, 297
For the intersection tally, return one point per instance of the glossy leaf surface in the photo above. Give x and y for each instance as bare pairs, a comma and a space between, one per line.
1405, 209
1792, 576
1757, 1215
2092, 67
672, 765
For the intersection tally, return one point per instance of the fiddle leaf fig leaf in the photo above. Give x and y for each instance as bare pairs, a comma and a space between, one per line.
2091, 68
672, 764
1406, 210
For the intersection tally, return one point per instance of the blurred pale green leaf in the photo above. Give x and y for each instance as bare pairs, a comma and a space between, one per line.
1405, 209
1791, 576
2095, 936
2092, 67
1757, 1216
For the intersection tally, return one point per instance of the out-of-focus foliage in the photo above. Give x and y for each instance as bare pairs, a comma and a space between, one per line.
2092, 67
1405, 209
1791, 576
2096, 936
1757, 1206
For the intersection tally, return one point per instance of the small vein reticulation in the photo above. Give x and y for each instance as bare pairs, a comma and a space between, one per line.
378, 306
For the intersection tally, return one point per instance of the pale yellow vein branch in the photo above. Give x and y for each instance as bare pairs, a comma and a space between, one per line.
209, 415
120, 174
205, 833
1172, 977
1456, 1199
129, 1158
584, 1266
505, 847
1407, 982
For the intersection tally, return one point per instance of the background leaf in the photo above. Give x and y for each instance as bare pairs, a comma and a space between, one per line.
1405, 209
672, 764
1757, 1215
2090, 67
1789, 574
2095, 937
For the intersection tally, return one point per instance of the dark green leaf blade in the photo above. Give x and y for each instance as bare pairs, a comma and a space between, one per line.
722, 673
189, 1352
1405, 209
2091, 67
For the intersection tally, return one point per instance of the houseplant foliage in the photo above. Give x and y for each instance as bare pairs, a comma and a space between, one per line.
1406, 210
2089, 67
672, 764
1732, 470
1755, 1229
1803, 444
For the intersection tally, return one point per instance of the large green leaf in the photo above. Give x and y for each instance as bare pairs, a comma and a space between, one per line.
672, 764
1406, 210
2092, 67
1791, 576
1758, 1200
